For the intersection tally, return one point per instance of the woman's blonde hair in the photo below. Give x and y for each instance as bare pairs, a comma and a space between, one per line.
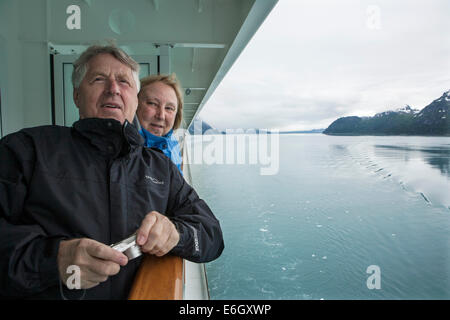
172, 81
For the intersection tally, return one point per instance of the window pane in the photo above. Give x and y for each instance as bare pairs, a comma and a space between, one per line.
70, 110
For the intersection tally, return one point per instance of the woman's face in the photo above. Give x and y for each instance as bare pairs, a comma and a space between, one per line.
157, 108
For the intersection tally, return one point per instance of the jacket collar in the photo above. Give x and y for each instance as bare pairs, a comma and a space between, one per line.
150, 136
109, 135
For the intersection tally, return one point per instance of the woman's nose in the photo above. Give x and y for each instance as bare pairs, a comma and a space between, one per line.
160, 114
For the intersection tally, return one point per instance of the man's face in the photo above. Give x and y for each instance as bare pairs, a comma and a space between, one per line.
158, 105
108, 90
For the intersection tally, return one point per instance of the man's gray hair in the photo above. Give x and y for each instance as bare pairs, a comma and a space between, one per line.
80, 65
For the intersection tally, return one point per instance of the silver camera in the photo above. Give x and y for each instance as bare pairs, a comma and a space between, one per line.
128, 247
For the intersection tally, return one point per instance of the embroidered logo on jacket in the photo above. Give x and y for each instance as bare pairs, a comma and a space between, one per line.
196, 246
154, 180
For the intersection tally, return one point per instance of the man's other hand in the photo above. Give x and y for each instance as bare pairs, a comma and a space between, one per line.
157, 234
96, 261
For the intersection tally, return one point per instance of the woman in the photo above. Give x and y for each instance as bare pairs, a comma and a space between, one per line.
159, 112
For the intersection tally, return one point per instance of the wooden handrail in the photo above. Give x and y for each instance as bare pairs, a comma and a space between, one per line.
158, 278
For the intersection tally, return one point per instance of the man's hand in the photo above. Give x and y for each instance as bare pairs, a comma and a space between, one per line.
157, 234
96, 261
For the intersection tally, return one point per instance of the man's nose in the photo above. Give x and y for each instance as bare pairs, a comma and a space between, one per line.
113, 87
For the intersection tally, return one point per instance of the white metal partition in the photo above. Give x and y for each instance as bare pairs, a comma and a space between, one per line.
195, 277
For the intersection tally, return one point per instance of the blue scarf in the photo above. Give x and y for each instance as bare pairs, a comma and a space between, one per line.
168, 144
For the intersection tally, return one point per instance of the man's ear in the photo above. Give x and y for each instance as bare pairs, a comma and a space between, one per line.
76, 95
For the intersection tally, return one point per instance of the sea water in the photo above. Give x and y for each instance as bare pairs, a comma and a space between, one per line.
364, 217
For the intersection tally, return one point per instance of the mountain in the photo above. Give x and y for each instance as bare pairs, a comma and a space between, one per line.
431, 120
303, 131
434, 119
199, 126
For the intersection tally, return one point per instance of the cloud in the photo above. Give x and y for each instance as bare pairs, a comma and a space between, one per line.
314, 61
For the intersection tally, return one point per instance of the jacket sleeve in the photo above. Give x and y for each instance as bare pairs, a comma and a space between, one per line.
28, 256
201, 237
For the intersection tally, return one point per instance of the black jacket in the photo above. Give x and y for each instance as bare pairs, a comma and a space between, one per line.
94, 180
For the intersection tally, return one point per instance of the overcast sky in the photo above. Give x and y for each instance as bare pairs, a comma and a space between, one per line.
313, 61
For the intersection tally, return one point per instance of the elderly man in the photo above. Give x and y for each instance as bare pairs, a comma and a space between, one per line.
67, 193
